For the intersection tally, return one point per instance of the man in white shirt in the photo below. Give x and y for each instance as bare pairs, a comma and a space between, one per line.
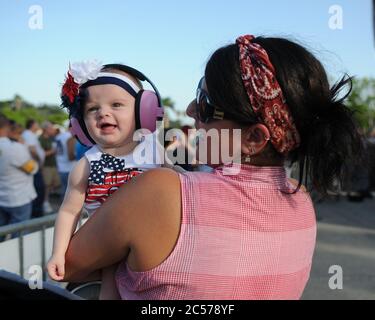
65, 157
31, 140
16, 178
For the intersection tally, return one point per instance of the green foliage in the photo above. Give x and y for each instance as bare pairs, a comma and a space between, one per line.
362, 102
167, 102
175, 124
57, 115
41, 113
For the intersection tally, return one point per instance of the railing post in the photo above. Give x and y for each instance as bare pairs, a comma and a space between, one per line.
43, 244
20, 252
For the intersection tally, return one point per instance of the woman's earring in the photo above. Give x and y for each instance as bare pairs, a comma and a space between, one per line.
248, 159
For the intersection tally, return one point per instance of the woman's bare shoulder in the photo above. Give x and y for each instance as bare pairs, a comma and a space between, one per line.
156, 225
154, 192
159, 188
161, 179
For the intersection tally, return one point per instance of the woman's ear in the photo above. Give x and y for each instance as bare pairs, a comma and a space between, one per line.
254, 139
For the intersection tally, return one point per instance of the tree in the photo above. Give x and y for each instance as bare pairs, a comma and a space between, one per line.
168, 104
362, 101
57, 115
20, 111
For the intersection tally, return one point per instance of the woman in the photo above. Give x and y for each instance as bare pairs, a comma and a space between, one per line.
248, 235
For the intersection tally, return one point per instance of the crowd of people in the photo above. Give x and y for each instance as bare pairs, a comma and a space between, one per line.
34, 165
36, 160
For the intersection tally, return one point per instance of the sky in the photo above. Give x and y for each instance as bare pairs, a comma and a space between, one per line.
169, 41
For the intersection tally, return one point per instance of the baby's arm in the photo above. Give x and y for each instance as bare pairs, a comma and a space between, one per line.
67, 218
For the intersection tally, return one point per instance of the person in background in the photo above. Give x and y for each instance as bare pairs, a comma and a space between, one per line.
15, 132
50, 174
80, 150
65, 157
16, 177
31, 140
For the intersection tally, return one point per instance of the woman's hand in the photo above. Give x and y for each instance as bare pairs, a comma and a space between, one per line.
56, 267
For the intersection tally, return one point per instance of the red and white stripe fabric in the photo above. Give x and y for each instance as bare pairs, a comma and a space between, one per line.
241, 238
96, 194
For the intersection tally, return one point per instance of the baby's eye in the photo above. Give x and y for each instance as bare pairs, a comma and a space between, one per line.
117, 105
92, 109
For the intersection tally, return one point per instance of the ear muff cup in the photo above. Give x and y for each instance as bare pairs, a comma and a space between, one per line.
147, 110
79, 130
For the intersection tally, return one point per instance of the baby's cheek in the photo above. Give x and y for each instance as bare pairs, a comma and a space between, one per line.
90, 125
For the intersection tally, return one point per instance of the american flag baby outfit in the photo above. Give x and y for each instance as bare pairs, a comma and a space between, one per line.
241, 237
108, 173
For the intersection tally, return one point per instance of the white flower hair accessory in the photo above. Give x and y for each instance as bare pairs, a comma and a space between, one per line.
85, 70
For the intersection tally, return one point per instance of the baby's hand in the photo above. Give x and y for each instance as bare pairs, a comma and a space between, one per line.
56, 267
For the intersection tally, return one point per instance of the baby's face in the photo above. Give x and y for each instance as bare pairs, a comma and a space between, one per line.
109, 115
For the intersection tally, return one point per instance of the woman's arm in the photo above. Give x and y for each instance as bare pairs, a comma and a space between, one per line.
143, 216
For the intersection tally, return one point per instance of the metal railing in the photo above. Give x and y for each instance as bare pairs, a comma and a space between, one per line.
33, 225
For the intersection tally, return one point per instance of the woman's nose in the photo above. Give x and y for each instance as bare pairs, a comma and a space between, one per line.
190, 110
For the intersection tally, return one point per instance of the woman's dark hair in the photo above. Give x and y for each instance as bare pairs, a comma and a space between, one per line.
329, 135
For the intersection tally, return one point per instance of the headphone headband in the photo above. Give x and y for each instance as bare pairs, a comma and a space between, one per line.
135, 73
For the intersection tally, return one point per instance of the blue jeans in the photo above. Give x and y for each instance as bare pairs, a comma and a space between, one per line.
37, 209
13, 215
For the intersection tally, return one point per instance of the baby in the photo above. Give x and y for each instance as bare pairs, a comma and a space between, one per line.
106, 105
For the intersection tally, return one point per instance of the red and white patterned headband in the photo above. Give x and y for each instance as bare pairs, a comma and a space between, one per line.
266, 97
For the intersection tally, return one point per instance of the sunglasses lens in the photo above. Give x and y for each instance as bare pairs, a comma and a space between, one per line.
201, 105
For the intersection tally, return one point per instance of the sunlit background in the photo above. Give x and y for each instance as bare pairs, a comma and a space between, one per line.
169, 41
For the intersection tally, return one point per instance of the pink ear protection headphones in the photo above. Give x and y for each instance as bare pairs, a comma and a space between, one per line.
148, 106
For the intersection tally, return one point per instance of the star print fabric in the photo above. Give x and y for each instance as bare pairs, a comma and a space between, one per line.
97, 173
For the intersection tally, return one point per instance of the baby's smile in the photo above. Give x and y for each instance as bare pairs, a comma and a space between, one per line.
107, 127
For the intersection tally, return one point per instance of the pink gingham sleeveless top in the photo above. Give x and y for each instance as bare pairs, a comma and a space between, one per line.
241, 237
